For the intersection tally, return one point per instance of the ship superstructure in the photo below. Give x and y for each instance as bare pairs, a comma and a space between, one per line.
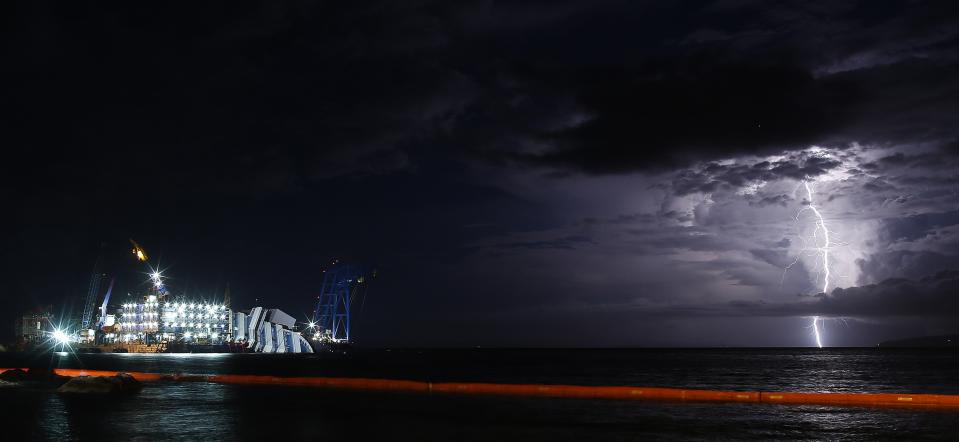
156, 321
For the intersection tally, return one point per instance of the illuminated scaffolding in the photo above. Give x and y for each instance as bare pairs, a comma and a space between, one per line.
154, 321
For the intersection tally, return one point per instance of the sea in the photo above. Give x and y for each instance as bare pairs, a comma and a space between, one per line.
200, 411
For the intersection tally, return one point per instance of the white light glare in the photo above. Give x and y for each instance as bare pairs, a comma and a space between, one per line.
61, 337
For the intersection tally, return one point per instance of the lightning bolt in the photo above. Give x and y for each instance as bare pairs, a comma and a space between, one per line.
815, 328
820, 227
823, 252
821, 243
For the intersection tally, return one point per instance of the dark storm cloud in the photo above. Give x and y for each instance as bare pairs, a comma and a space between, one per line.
913, 246
566, 242
660, 238
910, 228
776, 258
899, 164
930, 296
665, 116
781, 199
904, 263
334, 90
769, 85
713, 176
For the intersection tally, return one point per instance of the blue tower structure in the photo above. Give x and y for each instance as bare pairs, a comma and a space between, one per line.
341, 285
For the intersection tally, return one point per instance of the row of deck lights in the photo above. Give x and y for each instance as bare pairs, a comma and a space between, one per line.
213, 311
193, 325
170, 324
140, 335
183, 305
139, 324
195, 316
189, 335
146, 305
177, 305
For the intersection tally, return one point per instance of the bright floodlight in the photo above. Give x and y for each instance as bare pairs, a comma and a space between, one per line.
61, 337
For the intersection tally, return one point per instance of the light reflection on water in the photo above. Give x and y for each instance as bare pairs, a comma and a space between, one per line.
196, 411
171, 355
190, 411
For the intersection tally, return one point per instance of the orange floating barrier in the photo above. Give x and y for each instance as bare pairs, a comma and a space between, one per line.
948, 400
140, 376
932, 401
720, 396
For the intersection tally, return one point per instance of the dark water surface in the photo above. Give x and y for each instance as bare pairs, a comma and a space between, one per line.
202, 411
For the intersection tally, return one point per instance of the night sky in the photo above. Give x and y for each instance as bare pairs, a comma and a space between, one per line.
584, 173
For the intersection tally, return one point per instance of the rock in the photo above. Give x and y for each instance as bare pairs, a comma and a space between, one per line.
33, 375
130, 384
15, 375
122, 383
46, 375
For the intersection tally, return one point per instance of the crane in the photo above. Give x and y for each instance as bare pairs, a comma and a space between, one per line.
341, 285
92, 291
89, 304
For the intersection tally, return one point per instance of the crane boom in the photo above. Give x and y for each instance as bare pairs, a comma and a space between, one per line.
91, 299
103, 307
